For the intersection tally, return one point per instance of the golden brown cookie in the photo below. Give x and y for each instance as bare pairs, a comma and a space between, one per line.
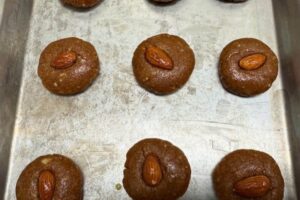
247, 67
156, 169
81, 3
163, 63
68, 66
50, 177
248, 174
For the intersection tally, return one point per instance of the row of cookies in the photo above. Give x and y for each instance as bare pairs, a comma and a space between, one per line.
161, 64
92, 3
155, 169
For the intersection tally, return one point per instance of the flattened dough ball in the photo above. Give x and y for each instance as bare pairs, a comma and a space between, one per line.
172, 171
247, 67
64, 175
163, 1
245, 166
68, 66
81, 3
163, 63
234, 1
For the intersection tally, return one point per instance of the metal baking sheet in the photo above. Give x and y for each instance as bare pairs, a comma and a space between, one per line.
97, 127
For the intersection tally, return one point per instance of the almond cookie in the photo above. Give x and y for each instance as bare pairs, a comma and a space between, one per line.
163, 1
68, 66
50, 177
247, 67
81, 3
248, 174
234, 1
156, 169
163, 63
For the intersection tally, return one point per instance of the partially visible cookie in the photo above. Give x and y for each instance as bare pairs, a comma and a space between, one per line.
156, 169
163, 1
68, 66
234, 1
81, 3
248, 174
163, 63
50, 177
247, 67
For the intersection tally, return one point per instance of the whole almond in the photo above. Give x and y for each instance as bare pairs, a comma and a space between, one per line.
152, 173
46, 185
64, 60
252, 187
158, 57
253, 61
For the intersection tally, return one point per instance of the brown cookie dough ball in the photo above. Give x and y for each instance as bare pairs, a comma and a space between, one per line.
163, 1
68, 66
81, 3
156, 169
53, 176
234, 1
162, 64
239, 168
247, 67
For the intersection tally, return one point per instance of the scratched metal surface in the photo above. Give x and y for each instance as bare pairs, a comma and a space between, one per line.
97, 127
